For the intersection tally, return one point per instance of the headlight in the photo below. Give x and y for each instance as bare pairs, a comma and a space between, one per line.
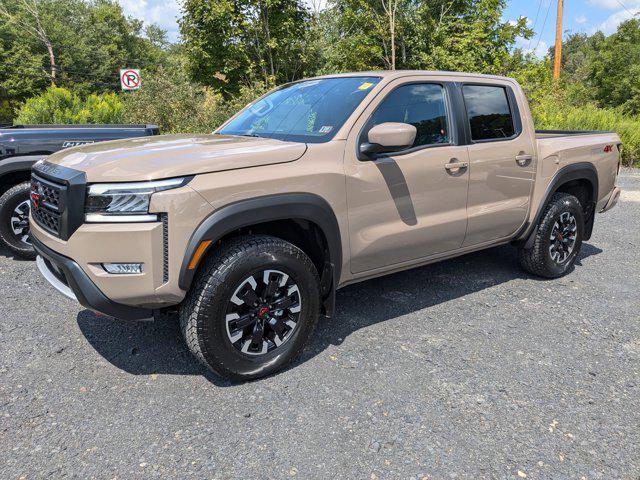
125, 202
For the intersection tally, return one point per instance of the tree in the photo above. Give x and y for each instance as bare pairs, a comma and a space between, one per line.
234, 42
26, 17
615, 70
467, 35
77, 44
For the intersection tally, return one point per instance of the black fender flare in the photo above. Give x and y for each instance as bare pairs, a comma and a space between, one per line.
575, 171
244, 213
18, 164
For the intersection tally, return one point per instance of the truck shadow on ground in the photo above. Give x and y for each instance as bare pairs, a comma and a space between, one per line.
5, 252
143, 348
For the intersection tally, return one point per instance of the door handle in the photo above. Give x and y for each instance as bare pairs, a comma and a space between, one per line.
456, 167
523, 159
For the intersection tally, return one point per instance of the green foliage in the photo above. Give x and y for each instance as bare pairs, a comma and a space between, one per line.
59, 105
553, 113
177, 105
234, 42
615, 71
535, 79
476, 39
604, 70
440, 35
90, 41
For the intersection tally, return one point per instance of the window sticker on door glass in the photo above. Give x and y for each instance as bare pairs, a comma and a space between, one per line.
325, 129
365, 86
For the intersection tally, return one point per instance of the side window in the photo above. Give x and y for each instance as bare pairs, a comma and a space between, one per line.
488, 112
420, 104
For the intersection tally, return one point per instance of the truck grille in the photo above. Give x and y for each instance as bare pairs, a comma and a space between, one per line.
57, 198
47, 201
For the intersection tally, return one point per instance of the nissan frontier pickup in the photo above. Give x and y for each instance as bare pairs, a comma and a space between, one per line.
248, 232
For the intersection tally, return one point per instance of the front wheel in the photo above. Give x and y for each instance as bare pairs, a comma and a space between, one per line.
252, 307
558, 238
14, 221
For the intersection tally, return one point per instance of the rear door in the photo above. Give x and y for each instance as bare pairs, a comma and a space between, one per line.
409, 204
502, 161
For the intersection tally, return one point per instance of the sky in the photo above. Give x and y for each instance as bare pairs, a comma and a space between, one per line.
587, 16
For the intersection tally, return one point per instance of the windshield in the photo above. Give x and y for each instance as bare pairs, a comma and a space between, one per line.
311, 111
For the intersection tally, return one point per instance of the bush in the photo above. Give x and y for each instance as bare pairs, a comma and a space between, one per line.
552, 114
565, 106
59, 105
170, 100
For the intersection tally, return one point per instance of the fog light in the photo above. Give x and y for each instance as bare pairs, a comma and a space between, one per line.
122, 268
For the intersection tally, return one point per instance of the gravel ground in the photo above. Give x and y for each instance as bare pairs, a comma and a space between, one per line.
464, 369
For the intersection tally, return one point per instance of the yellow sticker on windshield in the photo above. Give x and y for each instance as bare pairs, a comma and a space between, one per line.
365, 86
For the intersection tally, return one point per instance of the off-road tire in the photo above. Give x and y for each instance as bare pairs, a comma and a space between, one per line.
8, 203
202, 314
537, 260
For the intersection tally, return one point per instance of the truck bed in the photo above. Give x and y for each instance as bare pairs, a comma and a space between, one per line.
559, 148
567, 133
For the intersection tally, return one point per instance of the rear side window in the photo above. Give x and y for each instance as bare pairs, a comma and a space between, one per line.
421, 105
488, 112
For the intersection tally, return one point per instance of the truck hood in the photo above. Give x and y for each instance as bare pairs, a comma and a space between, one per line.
166, 156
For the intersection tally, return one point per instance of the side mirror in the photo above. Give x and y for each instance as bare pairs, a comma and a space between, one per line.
389, 137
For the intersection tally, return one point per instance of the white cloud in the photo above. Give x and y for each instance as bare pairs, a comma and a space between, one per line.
532, 46
615, 4
541, 49
581, 20
610, 25
163, 13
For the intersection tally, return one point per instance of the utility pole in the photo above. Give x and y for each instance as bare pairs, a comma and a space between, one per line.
557, 57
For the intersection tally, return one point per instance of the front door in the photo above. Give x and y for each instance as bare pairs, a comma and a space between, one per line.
502, 163
409, 204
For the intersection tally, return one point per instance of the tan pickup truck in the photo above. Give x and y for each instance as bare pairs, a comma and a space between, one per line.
249, 231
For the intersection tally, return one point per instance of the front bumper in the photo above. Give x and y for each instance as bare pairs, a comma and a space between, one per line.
68, 278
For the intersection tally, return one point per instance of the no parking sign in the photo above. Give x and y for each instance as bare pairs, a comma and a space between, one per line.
130, 78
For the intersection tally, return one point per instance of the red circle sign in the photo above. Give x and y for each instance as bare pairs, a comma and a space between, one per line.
130, 79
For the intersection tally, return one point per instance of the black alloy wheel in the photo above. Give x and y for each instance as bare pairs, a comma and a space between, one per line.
557, 238
252, 307
263, 312
15, 233
563, 237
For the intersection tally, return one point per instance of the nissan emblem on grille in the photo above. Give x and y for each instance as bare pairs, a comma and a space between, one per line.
45, 204
36, 193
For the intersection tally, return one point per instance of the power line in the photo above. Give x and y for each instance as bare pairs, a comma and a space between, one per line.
535, 22
544, 24
628, 11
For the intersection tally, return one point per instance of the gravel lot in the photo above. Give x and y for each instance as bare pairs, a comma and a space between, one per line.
464, 369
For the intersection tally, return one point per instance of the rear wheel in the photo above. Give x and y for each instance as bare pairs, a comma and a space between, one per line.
14, 221
252, 307
558, 238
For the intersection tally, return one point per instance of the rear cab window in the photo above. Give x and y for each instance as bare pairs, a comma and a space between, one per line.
488, 112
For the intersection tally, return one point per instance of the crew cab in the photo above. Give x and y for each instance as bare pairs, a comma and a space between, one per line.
23, 145
321, 183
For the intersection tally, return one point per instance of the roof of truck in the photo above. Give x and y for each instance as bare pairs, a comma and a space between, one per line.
404, 73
